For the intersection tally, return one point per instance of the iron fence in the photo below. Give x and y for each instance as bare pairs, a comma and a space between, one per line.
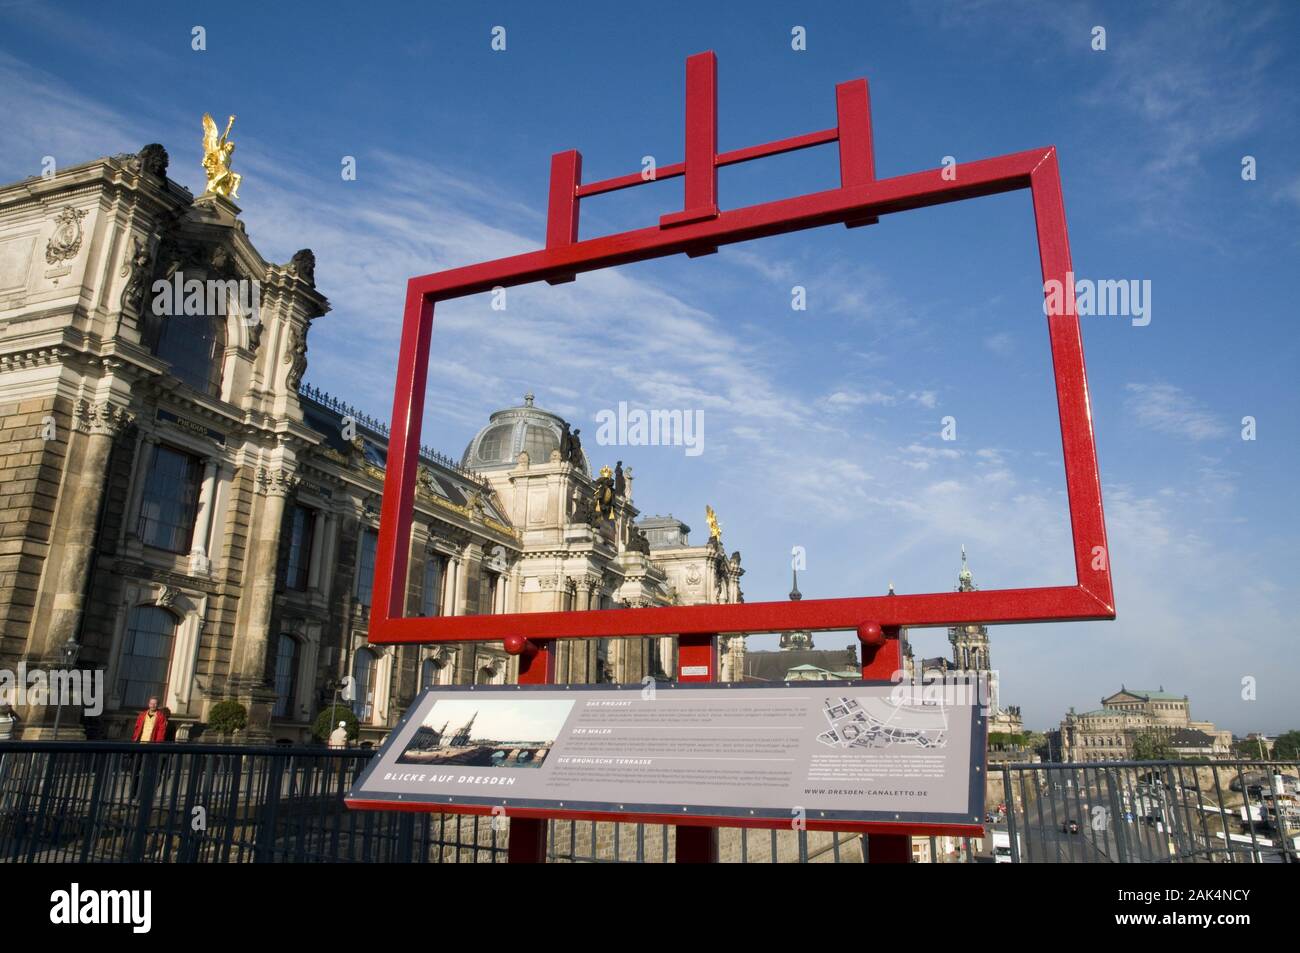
1149, 812
182, 803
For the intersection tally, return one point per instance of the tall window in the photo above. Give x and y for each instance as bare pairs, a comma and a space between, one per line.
429, 669
171, 500
146, 656
366, 567
301, 523
286, 676
363, 680
194, 346
432, 602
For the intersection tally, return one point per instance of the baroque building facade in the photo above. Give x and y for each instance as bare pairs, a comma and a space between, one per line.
179, 510
1109, 733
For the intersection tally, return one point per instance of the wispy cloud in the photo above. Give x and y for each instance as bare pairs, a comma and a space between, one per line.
1168, 409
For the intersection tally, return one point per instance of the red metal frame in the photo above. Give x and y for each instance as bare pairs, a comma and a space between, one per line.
698, 229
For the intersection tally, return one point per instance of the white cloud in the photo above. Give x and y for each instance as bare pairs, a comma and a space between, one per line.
1168, 409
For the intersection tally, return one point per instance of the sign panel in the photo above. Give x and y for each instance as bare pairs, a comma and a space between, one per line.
822, 753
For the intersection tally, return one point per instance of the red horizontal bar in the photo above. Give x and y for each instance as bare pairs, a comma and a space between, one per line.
693, 820
992, 607
881, 197
780, 146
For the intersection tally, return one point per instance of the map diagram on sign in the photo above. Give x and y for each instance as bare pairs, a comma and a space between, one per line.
870, 722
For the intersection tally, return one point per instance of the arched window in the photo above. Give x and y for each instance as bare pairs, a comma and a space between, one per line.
363, 680
146, 656
287, 656
194, 345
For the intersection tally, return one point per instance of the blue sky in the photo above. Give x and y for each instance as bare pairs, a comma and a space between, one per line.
822, 427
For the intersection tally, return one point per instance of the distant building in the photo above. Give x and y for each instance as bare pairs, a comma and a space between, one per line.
970, 661
1108, 733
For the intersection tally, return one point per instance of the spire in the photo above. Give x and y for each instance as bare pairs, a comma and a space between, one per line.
795, 594
965, 581
528, 399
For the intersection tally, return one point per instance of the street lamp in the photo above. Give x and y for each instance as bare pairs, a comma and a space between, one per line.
71, 649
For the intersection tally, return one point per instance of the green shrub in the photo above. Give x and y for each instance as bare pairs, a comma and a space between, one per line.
328, 720
227, 717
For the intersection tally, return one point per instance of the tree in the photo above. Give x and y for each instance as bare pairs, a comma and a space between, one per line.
330, 717
1152, 746
1287, 746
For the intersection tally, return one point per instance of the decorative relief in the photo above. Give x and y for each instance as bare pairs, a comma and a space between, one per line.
66, 240
166, 597
105, 418
136, 268
278, 482
295, 355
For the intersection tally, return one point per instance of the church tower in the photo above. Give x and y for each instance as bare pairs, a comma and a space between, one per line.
799, 639
970, 643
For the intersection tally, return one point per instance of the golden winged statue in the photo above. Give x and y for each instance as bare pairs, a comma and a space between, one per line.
216, 159
715, 531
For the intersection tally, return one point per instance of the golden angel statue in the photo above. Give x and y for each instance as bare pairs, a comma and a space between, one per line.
216, 159
715, 531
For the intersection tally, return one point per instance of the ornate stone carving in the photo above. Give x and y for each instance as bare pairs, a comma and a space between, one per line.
153, 159
135, 268
166, 597
303, 264
638, 542
66, 240
278, 482
105, 418
295, 355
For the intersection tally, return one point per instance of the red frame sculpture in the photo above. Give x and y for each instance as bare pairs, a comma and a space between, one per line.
699, 229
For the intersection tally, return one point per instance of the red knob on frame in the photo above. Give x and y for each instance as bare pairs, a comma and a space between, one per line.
518, 645
871, 634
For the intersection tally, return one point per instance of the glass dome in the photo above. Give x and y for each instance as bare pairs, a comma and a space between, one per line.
512, 431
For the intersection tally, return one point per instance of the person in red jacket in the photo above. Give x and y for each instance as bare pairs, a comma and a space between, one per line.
151, 725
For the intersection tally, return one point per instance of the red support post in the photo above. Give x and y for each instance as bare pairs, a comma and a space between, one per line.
882, 659
701, 142
857, 152
562, 208
527, 844
697, 661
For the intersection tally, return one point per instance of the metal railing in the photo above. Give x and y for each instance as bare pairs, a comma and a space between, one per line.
1150, 812
186, 803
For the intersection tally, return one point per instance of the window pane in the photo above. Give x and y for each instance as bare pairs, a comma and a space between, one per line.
432, 586
301, 524
193, 345
363, 680
171, 500
146, 656
286, 676
366, 569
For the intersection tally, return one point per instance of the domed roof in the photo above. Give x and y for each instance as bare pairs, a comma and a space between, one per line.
512, 431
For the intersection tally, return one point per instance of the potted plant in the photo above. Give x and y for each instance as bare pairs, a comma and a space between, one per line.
227, 718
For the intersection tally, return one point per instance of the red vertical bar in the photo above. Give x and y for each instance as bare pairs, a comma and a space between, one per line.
528, 834
562, 208
697, 661
701, 141
881, 659
857, 152
403, 457
1078, 442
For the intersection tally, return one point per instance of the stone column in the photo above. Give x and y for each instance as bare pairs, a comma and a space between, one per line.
199, 558
253, 676
75, 537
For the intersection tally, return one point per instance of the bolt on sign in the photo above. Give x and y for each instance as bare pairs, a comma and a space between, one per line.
699, 228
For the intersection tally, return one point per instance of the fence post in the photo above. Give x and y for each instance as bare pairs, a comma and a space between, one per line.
148, 777
527, 842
